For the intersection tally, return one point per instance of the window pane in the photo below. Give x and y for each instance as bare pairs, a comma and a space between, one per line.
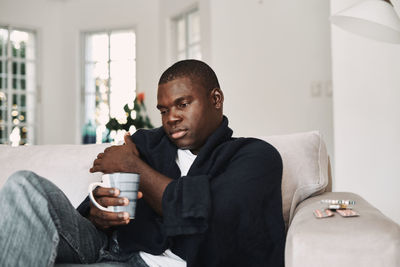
122, 45
3, 99
22, 53
181, 34
101, 70
194, 52
97, 47
14, 83
18, 42
22, 117
188, 36
3, 42
14, 68
3, 83
23, 101
90, 78
24, 135
194, 27
122, 87
22, 69
3, 116
3, 134
23, 84
14, 100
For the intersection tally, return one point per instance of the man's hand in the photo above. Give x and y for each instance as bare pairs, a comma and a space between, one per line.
108, 197
126, 158
121, 158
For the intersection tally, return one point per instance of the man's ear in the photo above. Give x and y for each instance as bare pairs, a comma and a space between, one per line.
217, 98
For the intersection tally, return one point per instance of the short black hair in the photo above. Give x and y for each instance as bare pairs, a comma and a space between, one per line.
195, 70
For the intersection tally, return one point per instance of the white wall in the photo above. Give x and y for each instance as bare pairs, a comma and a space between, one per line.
267, 55
366, 83
59, 24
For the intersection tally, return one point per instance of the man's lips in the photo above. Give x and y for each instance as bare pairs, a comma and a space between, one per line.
178, 134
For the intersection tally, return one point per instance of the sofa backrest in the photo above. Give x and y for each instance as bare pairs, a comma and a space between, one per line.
305, 166
67, 166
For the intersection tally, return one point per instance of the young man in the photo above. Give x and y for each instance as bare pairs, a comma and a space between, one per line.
208, 199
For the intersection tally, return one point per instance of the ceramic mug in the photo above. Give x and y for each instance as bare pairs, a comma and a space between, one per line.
128, 185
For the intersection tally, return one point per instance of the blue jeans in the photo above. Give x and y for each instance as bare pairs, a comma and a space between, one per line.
39, 227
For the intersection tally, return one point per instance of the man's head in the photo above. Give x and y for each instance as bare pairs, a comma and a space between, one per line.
190, 102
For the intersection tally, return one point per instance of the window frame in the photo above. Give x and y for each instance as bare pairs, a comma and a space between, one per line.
185, 16
83, 63
32, 126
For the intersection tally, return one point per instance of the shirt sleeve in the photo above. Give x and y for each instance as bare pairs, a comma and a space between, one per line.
190, 202
186, 205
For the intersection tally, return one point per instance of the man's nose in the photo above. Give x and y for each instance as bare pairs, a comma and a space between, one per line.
173, 117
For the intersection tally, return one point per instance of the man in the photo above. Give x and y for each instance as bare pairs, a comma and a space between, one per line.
208, 199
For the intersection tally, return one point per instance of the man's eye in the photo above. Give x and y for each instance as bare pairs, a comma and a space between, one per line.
163, 112
183, 105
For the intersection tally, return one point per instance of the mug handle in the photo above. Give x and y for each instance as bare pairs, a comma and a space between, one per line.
92, 186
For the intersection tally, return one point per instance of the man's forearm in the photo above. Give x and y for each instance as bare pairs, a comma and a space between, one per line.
152, 184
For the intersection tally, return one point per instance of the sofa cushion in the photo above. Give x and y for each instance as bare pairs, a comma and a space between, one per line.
305, 168
65, 165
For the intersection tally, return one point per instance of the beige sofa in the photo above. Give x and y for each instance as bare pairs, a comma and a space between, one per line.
369, 240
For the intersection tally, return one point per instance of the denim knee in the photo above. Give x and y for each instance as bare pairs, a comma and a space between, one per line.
21, 176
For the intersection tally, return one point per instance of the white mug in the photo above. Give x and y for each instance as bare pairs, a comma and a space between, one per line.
128, 185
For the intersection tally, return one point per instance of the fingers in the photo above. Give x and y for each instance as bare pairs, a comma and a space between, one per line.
105, 192
109, 197
105, 219
127, 139
112, 201
96, 164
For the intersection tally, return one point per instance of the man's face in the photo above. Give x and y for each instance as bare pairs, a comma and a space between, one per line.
189, 115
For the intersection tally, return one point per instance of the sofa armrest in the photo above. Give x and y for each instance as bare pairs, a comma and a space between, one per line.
371, 239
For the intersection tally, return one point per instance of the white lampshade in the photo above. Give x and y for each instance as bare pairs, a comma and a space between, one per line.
375, 19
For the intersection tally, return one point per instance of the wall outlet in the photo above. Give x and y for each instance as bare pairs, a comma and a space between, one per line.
321, 88
316, 88
328, 88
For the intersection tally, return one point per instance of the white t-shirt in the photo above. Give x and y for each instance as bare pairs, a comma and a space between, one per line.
184, 159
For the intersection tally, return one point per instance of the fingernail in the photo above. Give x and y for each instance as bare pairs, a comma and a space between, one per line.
123, 215
123, 201
112, 191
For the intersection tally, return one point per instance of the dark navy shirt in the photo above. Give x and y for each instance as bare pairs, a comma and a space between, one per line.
227, 211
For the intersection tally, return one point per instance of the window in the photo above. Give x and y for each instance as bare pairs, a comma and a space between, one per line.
187, 35
109, 79
17, 86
